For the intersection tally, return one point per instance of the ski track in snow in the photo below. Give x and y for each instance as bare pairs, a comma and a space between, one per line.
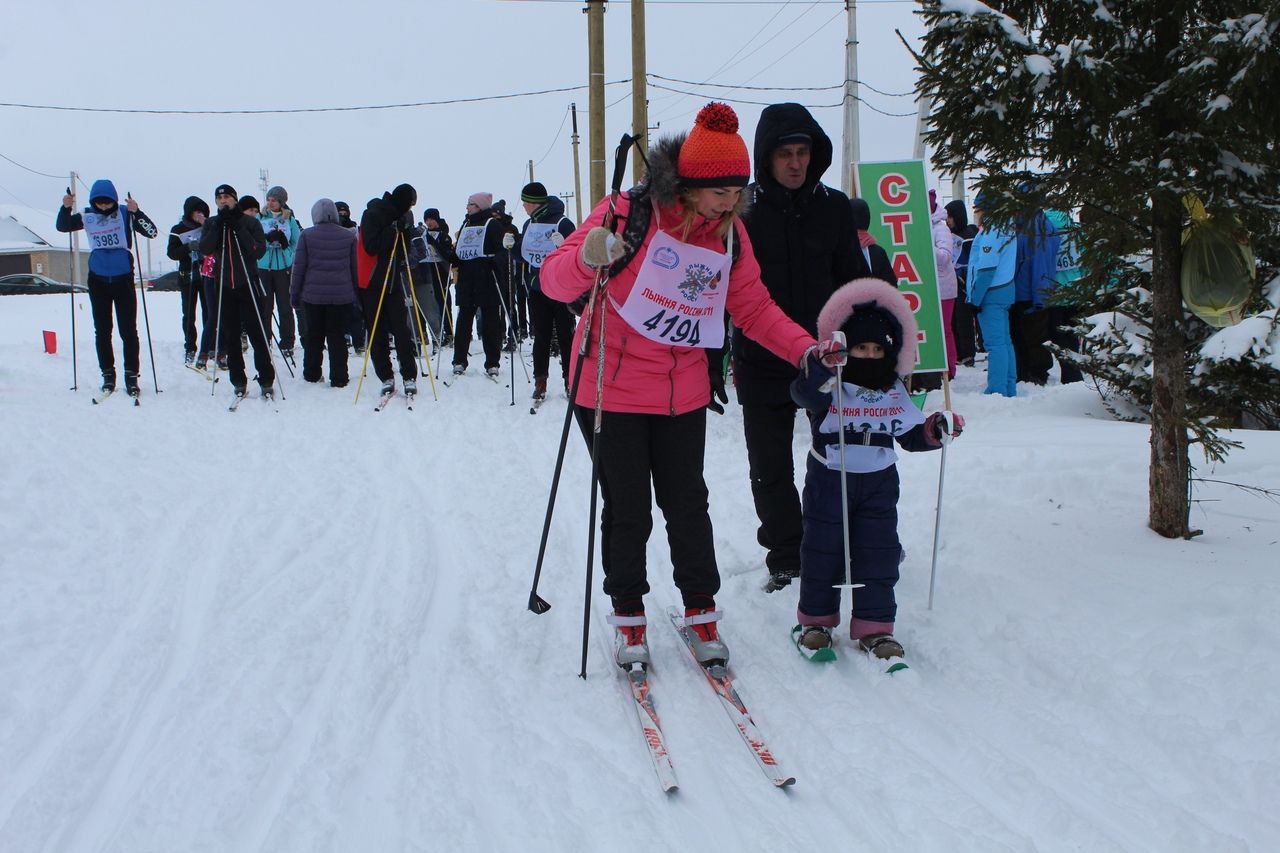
303, 627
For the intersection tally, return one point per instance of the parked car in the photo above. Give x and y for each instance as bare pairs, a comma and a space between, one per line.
35, 283
168, 281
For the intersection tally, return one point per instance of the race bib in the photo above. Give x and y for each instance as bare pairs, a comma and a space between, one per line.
537, 243
679, 294
432, 254
471, 243
105, 232
878, 412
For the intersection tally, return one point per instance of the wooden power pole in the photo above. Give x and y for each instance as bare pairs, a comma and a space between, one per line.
595, 96
639, 91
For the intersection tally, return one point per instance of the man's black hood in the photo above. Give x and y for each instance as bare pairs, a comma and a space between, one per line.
781, 120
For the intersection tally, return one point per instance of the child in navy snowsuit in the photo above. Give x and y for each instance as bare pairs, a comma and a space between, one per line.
880, 332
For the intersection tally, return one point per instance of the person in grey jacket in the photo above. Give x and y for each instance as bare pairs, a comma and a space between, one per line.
323, 288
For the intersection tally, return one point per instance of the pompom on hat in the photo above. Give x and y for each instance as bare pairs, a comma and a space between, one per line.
714, 155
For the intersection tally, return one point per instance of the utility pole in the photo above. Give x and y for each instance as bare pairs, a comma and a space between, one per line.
264, 182
851, 151
530, 171
639, 91
595, 96
577, 169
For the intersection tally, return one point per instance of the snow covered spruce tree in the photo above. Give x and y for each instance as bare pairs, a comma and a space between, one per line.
1118, 109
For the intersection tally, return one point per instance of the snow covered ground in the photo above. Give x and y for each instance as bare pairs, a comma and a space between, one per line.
305, 630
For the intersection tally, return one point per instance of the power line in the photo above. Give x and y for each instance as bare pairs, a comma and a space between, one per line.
753, 88
871, 107
31, 170
406, 105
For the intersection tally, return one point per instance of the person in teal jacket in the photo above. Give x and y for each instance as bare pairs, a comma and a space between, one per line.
283, 231
993, 259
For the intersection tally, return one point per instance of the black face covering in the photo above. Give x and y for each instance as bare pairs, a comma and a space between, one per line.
876, 374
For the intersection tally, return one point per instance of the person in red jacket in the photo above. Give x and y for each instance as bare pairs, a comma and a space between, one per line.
682, 260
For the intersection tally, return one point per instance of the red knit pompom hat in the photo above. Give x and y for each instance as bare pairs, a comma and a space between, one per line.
714, 155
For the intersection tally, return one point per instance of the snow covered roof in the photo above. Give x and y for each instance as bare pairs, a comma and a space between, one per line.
27, 228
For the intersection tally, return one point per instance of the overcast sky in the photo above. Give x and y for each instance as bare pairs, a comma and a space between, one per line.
237, 55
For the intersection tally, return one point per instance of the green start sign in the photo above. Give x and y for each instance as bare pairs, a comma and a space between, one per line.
899, 200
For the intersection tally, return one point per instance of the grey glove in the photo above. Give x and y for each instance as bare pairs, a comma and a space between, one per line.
557, 239
601, 248
508, 241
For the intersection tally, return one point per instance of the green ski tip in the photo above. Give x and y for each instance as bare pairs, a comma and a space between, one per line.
897, 667
826, 655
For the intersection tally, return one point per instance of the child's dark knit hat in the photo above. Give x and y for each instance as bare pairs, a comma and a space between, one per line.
868, 309
249, 203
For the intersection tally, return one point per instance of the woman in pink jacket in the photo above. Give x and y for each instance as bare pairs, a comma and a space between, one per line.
664, 307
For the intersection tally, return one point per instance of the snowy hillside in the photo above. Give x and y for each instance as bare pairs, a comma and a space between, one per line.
305, 630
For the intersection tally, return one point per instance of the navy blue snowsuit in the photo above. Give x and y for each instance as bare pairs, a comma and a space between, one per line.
873, 518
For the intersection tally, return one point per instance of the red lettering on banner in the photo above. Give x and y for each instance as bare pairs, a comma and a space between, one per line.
897, 222
891, 189
913, 299
904, 270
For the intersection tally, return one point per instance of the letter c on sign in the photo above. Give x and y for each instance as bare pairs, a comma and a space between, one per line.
891, 190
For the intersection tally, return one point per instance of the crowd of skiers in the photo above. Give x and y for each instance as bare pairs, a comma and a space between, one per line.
704, 264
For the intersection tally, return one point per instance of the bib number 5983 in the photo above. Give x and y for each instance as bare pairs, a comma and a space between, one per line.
674, 328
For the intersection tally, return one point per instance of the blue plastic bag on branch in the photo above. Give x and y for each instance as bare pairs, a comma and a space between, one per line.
1218, 267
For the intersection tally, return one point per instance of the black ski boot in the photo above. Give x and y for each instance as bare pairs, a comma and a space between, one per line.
108, 381
131, 384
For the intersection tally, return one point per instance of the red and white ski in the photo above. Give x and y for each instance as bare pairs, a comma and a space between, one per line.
650, 726
722, 683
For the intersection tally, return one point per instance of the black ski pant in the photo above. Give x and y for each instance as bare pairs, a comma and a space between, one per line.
550, 317
635, 451
108, 293
490, 335
242, 309
1030, 331
768, 430
192, 291
326, 327
391, 319
1061, 319
276, 286
964, 320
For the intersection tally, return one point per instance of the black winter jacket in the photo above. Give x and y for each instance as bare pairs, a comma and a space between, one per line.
379, 224
247, 244
478, 279
805, 243
176, 251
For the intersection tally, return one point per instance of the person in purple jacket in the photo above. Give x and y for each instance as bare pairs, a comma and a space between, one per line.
323, 288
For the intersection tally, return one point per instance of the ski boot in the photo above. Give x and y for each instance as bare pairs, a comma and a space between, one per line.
493, 372
388, 388
131, 384
630, 646
814, 637
410, 387
222, 362
189, 357
459, 369
780, 579
707, 645
268, 392
540, 388
240, 390
882, 646
108, 381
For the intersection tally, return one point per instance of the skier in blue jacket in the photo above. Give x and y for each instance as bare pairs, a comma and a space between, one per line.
993, 261
111, 284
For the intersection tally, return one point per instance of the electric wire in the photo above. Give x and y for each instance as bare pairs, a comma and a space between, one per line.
31, 170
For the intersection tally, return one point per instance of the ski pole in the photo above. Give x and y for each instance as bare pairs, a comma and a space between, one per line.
417, 317
75, 273
217, 323
368, 344
267, 337
947, 416
142, 285
602, 278
839, 339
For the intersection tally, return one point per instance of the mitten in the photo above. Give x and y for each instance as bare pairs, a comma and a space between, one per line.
935, 427
557, 239
601, 248
831, 353
508, 241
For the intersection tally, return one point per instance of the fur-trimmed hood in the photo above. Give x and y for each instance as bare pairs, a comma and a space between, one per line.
663, 177
867, 293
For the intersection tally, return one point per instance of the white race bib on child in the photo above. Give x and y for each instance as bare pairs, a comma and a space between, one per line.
106, 231
875, 412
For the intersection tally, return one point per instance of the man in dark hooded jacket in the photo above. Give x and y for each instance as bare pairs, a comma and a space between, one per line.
383, 221
805, 242
184, 248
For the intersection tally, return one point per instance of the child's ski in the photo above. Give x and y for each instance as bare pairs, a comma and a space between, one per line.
825, 655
